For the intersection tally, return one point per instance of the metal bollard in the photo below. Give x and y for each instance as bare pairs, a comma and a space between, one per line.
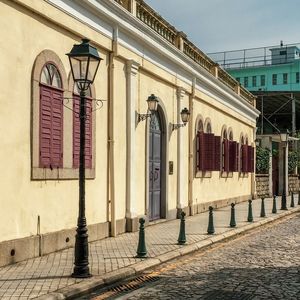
262, 210
141, 250
250, 215
210, 228
232, 216
274, 209
292, 200
181, 237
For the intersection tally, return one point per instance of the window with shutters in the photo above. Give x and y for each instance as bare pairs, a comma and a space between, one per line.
206, 150
88, 129
54, 139
51, 118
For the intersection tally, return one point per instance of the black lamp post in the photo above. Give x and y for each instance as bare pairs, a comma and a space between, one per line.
284, 140
84, 60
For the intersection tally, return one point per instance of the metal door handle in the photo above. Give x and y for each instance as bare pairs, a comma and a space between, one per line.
156, 173
151, 175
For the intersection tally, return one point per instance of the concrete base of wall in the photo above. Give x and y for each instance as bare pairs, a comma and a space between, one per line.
202, 207
21, 249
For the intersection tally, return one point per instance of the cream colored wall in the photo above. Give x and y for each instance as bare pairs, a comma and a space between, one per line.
22, 200
120, 136
56, 201
215, 187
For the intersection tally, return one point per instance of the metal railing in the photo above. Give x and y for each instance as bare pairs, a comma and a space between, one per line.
256, 57
178, 39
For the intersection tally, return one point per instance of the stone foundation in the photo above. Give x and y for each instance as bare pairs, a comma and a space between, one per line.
262, 185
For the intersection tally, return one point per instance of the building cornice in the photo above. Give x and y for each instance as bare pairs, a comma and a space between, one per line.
130, 26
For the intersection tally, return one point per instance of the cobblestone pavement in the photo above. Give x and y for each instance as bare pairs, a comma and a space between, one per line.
46, 274
262, 265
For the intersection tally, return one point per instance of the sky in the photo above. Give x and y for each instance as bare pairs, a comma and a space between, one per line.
222, 25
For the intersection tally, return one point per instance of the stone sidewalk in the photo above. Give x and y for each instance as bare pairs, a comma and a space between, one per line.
112, 259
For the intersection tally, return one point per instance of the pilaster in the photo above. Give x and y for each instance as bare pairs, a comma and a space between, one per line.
180, 153
131, 95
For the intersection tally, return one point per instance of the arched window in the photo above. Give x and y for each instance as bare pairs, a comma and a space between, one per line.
51, 118
207, 148
88, 129
208, 128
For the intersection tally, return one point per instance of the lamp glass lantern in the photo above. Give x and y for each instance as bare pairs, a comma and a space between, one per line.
152, 102
185, 115
284, 137
84, 61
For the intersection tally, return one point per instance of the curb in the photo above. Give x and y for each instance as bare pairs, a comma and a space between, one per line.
79, 289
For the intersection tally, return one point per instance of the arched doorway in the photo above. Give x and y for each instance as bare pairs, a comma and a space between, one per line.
155, 167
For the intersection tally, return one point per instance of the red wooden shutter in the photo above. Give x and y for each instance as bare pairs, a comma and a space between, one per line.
45, 126
209, 151
252, 170
88, 134
244, 158
226, 155
76, 132
51, 127
236, 166
250, 159
217, 159
57, 129
201, 151
198, 151
232, 156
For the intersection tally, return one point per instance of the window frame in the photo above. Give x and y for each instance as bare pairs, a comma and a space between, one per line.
66, 171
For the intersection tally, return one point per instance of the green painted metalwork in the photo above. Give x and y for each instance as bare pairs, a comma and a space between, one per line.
232, 216
250, 215
210, 228
181, 237
262, 209
141, 249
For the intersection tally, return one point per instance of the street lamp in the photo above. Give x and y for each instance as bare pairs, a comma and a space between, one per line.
185, 116
152, 103
84, 60
284, 140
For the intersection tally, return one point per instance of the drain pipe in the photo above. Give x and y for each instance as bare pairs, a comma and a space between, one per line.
111, 163
191, 148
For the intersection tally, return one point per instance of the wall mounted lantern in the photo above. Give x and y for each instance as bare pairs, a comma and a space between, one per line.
84, 61
185, 115
152, 102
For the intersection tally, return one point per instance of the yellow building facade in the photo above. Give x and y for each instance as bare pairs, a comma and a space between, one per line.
142, 55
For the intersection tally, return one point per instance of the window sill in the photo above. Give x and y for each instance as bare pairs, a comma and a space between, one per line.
244, 175
56, 174
203, 174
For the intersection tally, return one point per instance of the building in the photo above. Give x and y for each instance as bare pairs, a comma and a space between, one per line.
153, 168
272, 74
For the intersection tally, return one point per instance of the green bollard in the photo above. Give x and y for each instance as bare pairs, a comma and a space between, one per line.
141, 250
274, 209
181, 238
210, 228
232, 217
299, 198
262, 210
250, 215
292, 199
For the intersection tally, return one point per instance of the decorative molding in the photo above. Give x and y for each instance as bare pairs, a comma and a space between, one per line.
133, 28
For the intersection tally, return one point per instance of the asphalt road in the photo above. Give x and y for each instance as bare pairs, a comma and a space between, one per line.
264, 264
